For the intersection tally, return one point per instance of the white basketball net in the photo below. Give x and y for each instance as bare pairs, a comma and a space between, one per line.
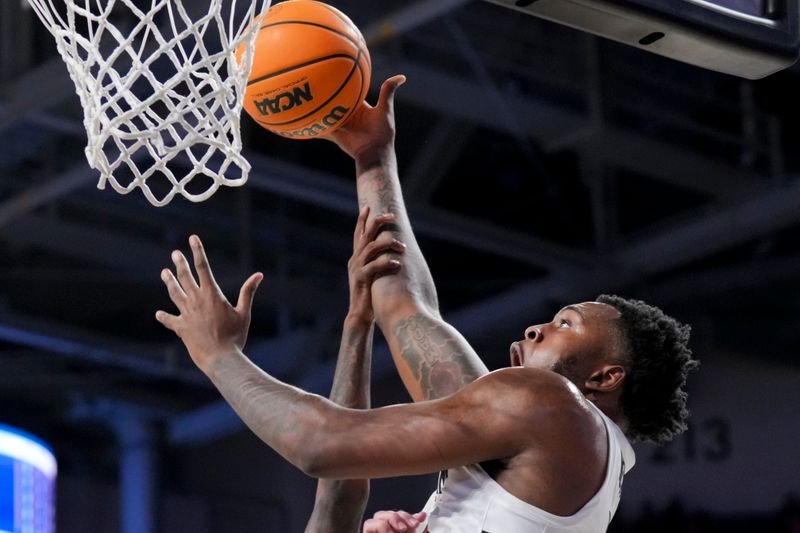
161, 89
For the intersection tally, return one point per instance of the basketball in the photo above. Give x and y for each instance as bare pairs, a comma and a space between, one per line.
311, 70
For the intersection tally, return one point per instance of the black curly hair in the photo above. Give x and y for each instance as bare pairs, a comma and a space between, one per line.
653, 398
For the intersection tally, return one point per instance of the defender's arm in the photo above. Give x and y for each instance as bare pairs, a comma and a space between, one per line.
339, 504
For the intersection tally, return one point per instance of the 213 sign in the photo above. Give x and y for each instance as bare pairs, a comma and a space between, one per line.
709, 441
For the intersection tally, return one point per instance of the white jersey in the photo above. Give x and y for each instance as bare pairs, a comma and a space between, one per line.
472, 502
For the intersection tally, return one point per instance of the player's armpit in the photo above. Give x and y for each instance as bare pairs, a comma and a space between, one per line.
498, 416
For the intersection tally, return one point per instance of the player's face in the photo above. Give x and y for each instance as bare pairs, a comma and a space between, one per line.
572, 344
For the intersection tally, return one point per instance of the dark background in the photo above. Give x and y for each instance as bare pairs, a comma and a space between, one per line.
540, 165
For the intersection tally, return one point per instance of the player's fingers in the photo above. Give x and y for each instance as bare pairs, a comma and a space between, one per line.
169, 321
391, 521
384, 244
374, 226
402, 521
184, 272
248, 291
376, 526
360, 225
204, 274
388, 90
392, 516
174, 289
381, 266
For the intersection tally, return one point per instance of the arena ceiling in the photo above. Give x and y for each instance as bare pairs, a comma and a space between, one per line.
540, 166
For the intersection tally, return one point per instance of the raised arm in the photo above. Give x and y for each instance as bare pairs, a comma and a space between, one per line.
497, 416
339, 504
433, 359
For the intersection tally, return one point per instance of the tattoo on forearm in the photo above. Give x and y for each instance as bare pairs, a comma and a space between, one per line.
268, 407
351, 379
434, 356
380, 194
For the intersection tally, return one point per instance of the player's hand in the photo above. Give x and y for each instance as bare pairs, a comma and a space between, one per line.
369, 133
372, 257
208, 324
393, 522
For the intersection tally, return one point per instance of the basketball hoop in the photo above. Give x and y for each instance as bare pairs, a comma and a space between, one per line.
161, 89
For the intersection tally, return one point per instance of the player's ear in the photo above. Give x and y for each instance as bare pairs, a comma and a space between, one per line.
607, 378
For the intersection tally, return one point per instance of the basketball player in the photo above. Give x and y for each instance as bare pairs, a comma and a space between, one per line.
544, 441
639, 372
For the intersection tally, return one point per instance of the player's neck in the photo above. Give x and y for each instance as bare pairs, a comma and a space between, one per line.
611, 407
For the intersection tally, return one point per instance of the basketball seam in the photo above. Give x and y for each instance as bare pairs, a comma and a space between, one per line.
341, 16
360, 90
295, 67
356, 65
334, 30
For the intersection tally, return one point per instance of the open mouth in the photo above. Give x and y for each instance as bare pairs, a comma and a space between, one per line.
516, 354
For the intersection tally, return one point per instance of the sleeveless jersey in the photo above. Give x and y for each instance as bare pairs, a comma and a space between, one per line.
472, 502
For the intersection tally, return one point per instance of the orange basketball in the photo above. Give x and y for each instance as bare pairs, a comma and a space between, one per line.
311, 70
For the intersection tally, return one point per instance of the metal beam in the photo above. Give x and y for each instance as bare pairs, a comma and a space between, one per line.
559, 128
546, 122
769, 211
280, 177
320, 188
86, 346
463, 98
487, 237
97, 245
430, 164
77, 177
671, 164
730, 279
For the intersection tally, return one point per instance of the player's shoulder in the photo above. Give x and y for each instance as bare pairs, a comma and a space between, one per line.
534, 381
536, 393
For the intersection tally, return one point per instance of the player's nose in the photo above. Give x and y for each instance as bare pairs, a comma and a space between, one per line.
533, 333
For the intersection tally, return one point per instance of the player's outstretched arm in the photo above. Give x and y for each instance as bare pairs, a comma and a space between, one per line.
433, 359
339, 504
490, 418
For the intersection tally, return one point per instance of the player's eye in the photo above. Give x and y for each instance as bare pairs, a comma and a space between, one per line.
564, 323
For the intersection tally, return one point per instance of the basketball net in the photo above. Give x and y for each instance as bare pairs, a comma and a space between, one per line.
161, 89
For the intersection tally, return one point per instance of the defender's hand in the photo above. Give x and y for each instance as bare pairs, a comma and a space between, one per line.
369, 133
208, 324
393, 522
373, 257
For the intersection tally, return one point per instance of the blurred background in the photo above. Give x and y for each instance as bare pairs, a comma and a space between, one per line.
541, 165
